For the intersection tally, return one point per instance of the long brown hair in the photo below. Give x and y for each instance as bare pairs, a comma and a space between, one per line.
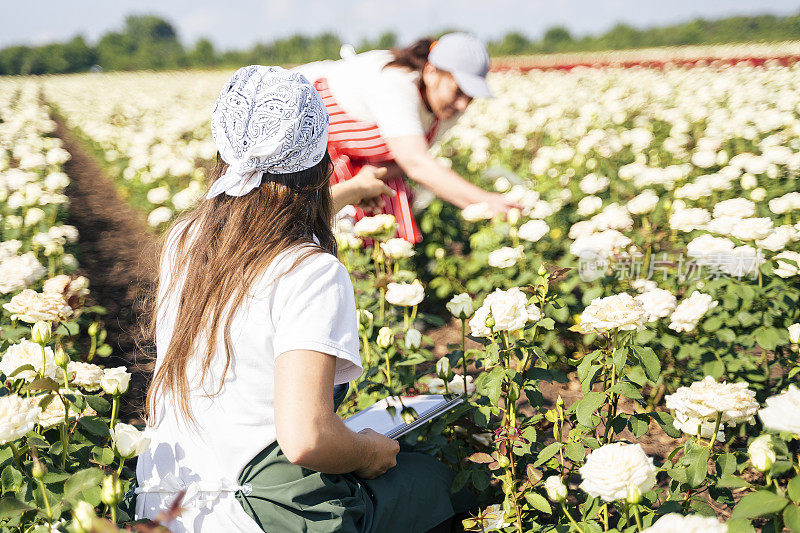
235, 239
413, 57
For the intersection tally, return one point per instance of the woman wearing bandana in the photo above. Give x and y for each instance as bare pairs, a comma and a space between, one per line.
256, 337
387, 107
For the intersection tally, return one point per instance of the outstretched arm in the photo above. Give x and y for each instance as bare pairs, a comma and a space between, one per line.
411, 153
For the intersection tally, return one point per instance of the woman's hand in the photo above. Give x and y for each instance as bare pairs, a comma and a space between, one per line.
364, 189
382, 456
499, 203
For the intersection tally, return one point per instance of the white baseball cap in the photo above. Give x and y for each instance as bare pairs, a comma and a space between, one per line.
466, 58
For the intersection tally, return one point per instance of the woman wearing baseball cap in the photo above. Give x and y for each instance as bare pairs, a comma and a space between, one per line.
387, 107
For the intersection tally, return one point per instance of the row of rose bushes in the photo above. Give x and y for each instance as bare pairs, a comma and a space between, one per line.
577, 465
63, 451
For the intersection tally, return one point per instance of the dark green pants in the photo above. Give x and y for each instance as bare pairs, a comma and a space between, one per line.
414, 496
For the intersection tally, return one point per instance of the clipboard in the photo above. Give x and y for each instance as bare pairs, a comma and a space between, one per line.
386, 416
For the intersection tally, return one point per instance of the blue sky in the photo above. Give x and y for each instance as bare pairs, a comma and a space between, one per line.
241, 23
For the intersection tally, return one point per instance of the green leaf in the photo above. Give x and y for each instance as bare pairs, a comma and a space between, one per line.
666, 422
627, 389
587, 406
575, 451
11, 507
620, 358
42, 384
791, 517
94, 425
548, 452
726, 464
761, 503
492, 383
639, 424
697, 469
11, 479
650, 362
538, 502
740, 525
793, 489
80, 482
22, 368
732, 482
98, 403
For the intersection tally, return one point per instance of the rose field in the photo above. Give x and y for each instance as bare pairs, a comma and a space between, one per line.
627, 342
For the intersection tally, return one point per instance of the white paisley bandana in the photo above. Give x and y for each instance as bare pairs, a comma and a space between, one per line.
266, 119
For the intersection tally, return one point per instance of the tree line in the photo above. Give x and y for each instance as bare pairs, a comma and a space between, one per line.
150, 42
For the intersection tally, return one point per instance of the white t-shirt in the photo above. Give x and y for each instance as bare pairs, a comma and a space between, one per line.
388, 97
311, 307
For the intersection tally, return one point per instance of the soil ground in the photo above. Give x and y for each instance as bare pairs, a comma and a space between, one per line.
118, 254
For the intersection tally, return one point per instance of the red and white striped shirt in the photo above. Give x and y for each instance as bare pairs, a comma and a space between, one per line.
352, 144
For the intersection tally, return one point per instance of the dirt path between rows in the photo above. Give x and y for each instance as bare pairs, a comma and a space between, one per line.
118, 254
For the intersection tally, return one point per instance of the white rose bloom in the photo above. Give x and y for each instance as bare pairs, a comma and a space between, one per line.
57, 284
784, 269
658, 303
592, 183
456, 385
19, 272
758, 194
722, 226
158, 195
33, 216
643, 285
18, 416
508, 310
735, 207
689, 219
643, 203
54, 412
601, 244
778, 239
115, 380
611, 469
794, 333
710, 250
495, 519
689, 312
159, 215
762, 454
436, 386
375, 225
743, 260
580, 229
618, 311
56, 181
28, 353
533, 230
128, 441
675, 523
614, 217
700, 403
589, 205
385, 337
9, 248
85, 375
405, 294
413, 339
785, 203
505, 257
556, 490
752, 229
461, 306
782, 411
397, 248
477, 212
534, 313
31, 306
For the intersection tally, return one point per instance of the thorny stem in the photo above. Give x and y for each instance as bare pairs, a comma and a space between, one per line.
464, 352
716, 430
569, 516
